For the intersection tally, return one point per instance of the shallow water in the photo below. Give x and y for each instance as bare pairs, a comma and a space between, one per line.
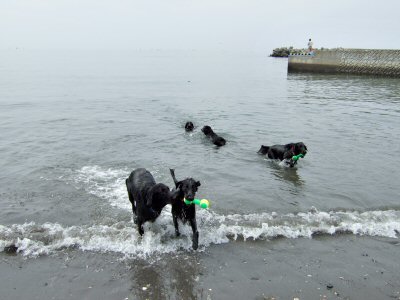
75, 124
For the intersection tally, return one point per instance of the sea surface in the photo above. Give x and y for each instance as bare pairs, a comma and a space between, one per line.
74, 124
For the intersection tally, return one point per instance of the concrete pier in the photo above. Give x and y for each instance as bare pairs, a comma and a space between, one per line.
352, 61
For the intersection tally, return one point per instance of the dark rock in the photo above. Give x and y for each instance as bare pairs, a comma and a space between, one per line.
280, 52
285, 51
329, 286
12, 249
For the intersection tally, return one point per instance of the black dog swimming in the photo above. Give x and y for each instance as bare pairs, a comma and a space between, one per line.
189, 126
284, 152
185, 189
215, 138
147, 197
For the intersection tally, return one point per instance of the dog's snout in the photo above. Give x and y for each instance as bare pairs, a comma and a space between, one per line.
190, 196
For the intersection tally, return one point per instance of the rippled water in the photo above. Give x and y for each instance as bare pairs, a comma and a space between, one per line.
75, 124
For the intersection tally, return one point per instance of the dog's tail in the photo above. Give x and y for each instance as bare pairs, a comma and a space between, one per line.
172, 171
263, 149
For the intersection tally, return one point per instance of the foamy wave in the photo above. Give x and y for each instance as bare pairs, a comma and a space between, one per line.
42, 239
108, 184
122, 237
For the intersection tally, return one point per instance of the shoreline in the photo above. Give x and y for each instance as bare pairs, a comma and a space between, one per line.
342, 266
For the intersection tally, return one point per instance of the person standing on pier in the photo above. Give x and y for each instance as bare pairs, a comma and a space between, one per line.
310, 45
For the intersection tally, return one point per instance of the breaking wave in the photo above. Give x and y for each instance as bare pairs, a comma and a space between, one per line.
122, 237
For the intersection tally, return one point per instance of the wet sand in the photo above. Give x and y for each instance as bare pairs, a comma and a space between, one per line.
325, 267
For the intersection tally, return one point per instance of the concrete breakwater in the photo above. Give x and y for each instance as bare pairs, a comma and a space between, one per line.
352, 61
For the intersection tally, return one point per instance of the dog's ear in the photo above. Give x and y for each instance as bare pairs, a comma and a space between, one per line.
156, 193
149, 200
198, 183
179, 185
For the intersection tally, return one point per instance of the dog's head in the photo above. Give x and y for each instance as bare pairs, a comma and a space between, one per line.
299, 148
207, 130
188, 187
160, 195
189, 126
263, 150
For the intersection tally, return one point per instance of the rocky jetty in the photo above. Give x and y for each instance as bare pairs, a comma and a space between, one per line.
285, 51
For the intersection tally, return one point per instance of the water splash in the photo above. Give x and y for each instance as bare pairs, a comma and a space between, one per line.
122, 237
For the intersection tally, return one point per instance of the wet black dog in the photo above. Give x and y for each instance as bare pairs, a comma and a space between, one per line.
185, 189
215, 138
284, 152
189, 126
147, 197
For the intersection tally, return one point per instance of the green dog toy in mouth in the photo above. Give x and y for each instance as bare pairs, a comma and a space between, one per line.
297, 157
203, 203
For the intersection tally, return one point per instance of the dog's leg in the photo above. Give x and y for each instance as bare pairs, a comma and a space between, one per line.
271, 154
135, 218
195, 239
175, 219
132, 200
140, 226
288, 156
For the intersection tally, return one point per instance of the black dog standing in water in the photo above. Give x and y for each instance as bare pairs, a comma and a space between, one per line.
185, 189
215, 138
147, 198
282, 152
189, 126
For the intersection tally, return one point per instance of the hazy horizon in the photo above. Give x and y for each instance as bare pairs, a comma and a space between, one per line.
205, 25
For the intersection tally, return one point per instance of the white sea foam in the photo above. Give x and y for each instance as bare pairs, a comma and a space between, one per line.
105, 183
122, 237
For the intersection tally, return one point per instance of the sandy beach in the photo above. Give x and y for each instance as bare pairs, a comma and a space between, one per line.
326, 267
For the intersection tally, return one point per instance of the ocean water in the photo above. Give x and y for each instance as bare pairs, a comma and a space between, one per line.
74, 124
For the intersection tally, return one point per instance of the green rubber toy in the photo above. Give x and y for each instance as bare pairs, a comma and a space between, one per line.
204, 203
297, 157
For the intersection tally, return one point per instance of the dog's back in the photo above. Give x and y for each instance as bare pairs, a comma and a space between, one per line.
282, 152
141, 181
216, 139
147, 197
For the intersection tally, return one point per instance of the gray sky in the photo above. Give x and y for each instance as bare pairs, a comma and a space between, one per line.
202, 24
